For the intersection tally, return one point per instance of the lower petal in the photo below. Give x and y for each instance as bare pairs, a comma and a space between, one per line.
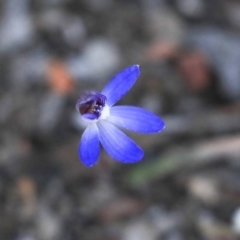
136, 119
89, 148
117, 144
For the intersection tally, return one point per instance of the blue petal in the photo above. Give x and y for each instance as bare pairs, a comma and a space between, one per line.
136, 119
89, 148
117, 144
120, 84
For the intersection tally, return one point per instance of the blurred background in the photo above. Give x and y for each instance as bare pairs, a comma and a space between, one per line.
187, 187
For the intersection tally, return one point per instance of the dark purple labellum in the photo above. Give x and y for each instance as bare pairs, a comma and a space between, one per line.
90, 104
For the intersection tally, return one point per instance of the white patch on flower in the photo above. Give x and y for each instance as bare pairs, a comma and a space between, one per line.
86, 120
105, 112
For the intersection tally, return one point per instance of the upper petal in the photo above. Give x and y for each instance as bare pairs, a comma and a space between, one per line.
117, 144
89, 147
120, 84
136, 119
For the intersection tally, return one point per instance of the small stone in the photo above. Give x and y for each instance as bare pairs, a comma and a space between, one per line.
204, 188
139, 229
233, 13
99, 58
191, 8
50, 111
222, 51
236, 221
121, 208
27, 192
48, 224
16, 27
165, 26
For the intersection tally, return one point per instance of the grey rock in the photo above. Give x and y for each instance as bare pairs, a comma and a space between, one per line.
16, 28
222, 50
99, 58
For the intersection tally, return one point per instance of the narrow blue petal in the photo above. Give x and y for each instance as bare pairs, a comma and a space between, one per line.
89, 148
117, 144
121, 84
136, 119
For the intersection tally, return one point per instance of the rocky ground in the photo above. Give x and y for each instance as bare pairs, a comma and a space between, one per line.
187, 187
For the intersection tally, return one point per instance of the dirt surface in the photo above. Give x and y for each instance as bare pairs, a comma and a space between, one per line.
187, 187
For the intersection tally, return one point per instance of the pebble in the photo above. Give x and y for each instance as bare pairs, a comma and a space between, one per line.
121, 208
164, 25
16, 28
100, 57
233, 13
48, 224
236, 221
205, 189
139, 229
50, 111
222, 50
191, 8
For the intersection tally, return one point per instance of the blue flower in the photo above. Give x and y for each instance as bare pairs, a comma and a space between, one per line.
97, 109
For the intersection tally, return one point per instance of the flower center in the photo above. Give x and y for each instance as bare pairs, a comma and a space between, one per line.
91, 105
